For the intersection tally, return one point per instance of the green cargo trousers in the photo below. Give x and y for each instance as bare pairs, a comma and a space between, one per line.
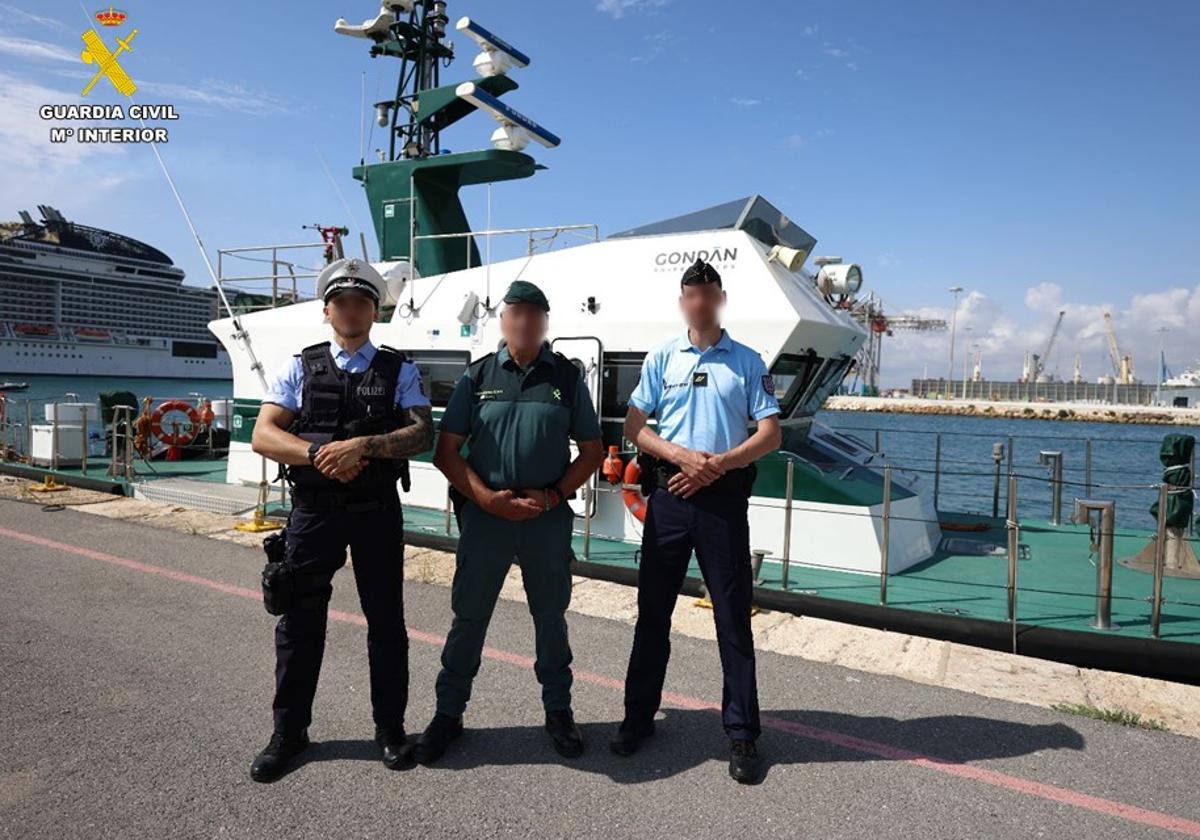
487, 547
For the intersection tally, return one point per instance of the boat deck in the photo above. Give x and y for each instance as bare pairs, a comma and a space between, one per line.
1056, 578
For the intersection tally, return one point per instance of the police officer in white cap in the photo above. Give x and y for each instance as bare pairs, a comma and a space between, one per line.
342, 418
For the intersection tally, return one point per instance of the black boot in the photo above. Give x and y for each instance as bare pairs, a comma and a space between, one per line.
273, 761
437, 736
393, 744
630, 735
568, 740
744, 764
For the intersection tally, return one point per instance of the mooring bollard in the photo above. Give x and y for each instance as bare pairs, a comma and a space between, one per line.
1107, 510
787, 523
1160, 560
997, 456
1014, 549
887, 523
1053, 459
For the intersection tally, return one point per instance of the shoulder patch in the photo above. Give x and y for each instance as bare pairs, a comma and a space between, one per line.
768, 384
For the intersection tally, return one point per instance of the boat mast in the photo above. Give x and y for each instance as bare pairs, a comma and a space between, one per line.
420, 45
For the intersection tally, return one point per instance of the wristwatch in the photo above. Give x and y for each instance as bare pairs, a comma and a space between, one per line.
313, 449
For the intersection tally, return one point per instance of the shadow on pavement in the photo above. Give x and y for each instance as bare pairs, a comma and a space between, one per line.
686, 739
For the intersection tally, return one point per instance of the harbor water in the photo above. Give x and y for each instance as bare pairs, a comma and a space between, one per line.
1124, 459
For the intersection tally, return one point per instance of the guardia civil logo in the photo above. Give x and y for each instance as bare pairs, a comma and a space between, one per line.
97, 53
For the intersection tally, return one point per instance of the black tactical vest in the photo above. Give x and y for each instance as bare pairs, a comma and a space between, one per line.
336, 405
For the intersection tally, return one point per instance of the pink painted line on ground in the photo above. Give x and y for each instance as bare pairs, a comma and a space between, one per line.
879, 749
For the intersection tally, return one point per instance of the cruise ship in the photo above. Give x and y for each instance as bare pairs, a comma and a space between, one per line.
77, 300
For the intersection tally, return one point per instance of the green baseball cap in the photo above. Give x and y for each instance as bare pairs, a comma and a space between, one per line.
522, 291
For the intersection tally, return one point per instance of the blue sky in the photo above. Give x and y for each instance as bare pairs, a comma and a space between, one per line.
1041, 155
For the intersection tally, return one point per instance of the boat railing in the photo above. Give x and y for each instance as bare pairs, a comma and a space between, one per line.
1092, 506
537, 239
66, 433
294, 267
291, 278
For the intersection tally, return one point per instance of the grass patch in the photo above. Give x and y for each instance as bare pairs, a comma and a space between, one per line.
1118, 716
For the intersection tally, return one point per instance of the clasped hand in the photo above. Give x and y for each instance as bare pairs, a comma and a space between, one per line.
517, 505
341, 460
697, 470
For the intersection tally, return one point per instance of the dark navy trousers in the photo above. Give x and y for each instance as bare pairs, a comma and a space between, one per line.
317, 538
714, 524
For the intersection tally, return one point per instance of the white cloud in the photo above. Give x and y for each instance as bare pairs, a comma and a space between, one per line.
811, 29
796, 141
745, 103
618, 8
13, 13
30, 48
37, 170
1005, 337
656, 42
228, 96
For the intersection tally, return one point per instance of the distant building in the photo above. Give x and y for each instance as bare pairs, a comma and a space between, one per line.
1138, 393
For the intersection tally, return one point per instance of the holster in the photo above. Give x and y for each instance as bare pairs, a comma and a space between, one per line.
278, 577
656, 473
648, 467
284, 587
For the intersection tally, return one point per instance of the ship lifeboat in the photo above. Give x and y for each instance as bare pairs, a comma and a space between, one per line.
92, 334
35, 330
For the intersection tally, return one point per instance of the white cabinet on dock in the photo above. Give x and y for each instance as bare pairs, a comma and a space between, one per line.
70, 445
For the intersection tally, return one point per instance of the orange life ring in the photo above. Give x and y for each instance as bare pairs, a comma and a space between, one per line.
632, 496
180, 438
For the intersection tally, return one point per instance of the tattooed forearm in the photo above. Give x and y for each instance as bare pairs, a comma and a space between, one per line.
413, 438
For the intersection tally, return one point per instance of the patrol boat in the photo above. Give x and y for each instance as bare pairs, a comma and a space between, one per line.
832, 522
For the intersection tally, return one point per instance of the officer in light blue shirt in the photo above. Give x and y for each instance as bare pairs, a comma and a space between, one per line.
705, 389
704, 398
342, 417
286, 388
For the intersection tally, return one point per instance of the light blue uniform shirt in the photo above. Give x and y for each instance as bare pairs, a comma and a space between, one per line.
287, 386
705, 400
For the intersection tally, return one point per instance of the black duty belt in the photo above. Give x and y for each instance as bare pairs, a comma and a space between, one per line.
352, 501
736, 481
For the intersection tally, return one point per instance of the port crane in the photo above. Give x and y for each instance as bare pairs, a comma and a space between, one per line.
869, 311
1037, 366
1122, 364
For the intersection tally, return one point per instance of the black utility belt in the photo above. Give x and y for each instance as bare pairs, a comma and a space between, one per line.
375, 498
737, 482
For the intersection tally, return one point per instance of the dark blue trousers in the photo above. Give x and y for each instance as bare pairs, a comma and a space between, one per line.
714, 524
317, 538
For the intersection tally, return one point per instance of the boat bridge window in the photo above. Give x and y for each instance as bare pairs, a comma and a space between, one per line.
804, 380
622, 370
792, 374
440, 371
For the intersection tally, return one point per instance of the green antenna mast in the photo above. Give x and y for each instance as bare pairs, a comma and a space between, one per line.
413, 191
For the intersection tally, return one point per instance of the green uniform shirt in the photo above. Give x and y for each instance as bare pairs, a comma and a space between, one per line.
518, 422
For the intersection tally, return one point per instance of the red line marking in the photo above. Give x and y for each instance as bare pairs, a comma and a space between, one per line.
1052, 793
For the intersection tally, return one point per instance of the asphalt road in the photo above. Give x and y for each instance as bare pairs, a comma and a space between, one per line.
135, 683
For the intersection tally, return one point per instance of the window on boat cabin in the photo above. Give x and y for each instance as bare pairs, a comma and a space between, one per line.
792, 374
827, 381
622, 370
440, 371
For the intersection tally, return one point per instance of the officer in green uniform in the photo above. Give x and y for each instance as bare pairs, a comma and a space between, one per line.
516, 410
